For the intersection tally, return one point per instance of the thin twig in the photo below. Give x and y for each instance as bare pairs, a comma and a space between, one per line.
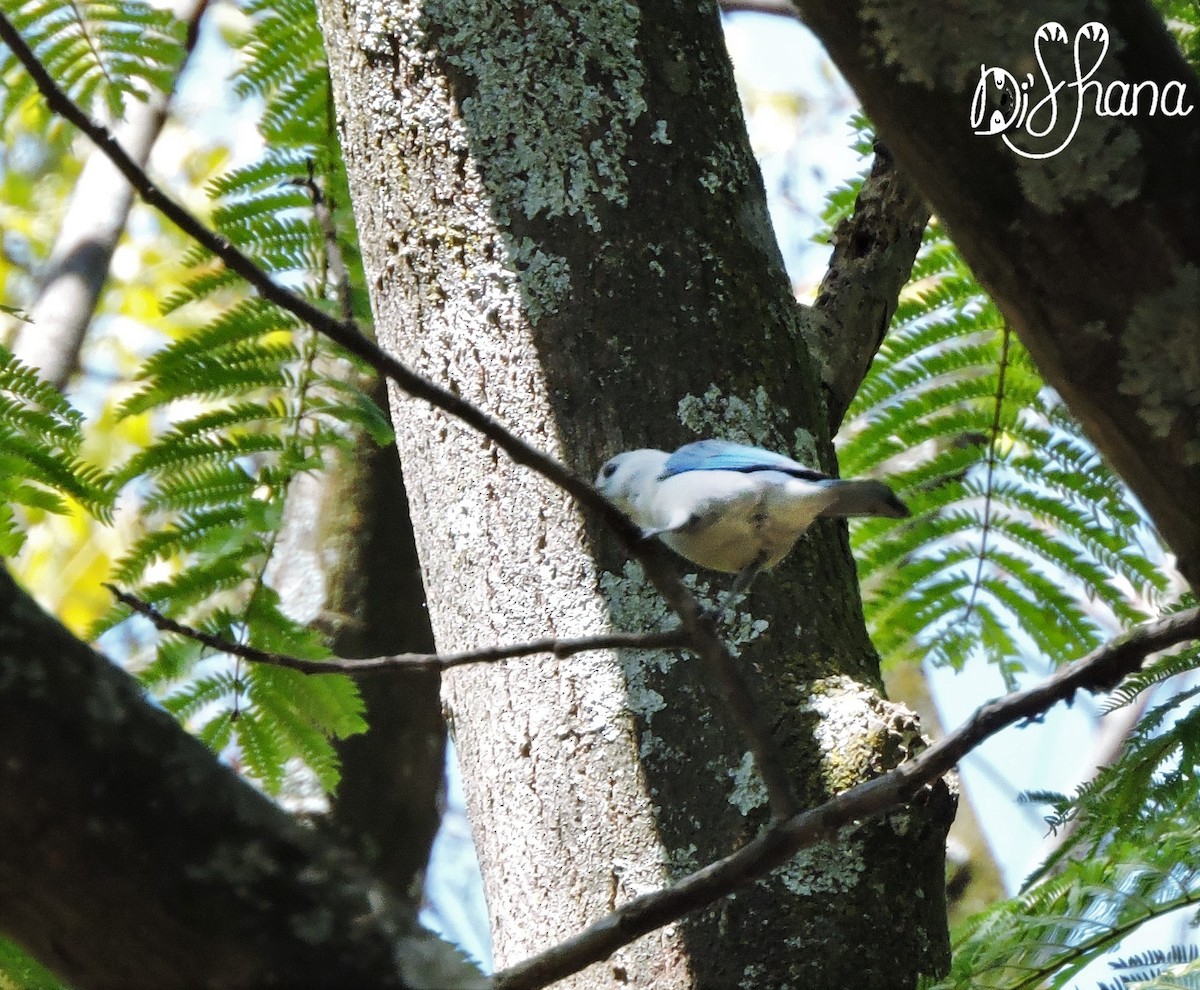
676, 638
1098, 671
335, 265
727, 676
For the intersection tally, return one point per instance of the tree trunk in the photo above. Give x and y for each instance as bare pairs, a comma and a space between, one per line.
562, 220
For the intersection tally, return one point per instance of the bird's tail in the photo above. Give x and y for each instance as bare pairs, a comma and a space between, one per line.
864, 498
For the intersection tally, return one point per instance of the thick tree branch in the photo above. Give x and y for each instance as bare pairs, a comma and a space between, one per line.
670, 639
873, 252
132, 858
1100, 670
727, 676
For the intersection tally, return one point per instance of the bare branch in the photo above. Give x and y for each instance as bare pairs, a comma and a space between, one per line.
671, 638
1100, 670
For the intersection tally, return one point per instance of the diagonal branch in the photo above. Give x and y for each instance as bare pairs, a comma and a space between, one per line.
560, 648
1100, 670
731, 683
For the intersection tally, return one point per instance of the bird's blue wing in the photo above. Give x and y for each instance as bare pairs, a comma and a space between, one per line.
721, 455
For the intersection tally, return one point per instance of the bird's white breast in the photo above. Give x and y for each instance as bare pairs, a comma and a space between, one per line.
730, 520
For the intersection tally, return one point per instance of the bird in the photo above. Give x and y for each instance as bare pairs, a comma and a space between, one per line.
730, 507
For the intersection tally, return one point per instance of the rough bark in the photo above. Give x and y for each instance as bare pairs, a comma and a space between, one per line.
1093, 254
131, 858
561, 219
873, 252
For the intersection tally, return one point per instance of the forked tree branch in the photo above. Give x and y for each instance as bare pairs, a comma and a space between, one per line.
730, 682
1100, 670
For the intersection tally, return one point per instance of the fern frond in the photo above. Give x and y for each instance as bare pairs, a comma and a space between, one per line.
1177, 968
205, 533
263, 750
250, 402
280, 166
40, 465
206, 486
201, 452
204, 578
100, 51
1016, 513
305, 711
235, 369
1047, 935
1152, 786
200, 692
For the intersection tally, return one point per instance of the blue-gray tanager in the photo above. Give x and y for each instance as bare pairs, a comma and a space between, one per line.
730, 507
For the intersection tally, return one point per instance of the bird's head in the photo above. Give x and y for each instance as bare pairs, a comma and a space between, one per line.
628, 477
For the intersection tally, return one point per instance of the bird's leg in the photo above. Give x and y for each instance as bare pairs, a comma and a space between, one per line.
741, 586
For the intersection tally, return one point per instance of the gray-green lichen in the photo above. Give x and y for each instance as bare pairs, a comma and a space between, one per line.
715, 414
738, 625
829, 867
1103, 161
545, 279
858, 733
749, 791
744, 420
632, 600
633, 604
1161, 363
939, 45
804, 447
557, 90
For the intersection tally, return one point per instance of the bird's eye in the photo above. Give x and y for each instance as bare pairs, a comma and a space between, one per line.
608, 469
